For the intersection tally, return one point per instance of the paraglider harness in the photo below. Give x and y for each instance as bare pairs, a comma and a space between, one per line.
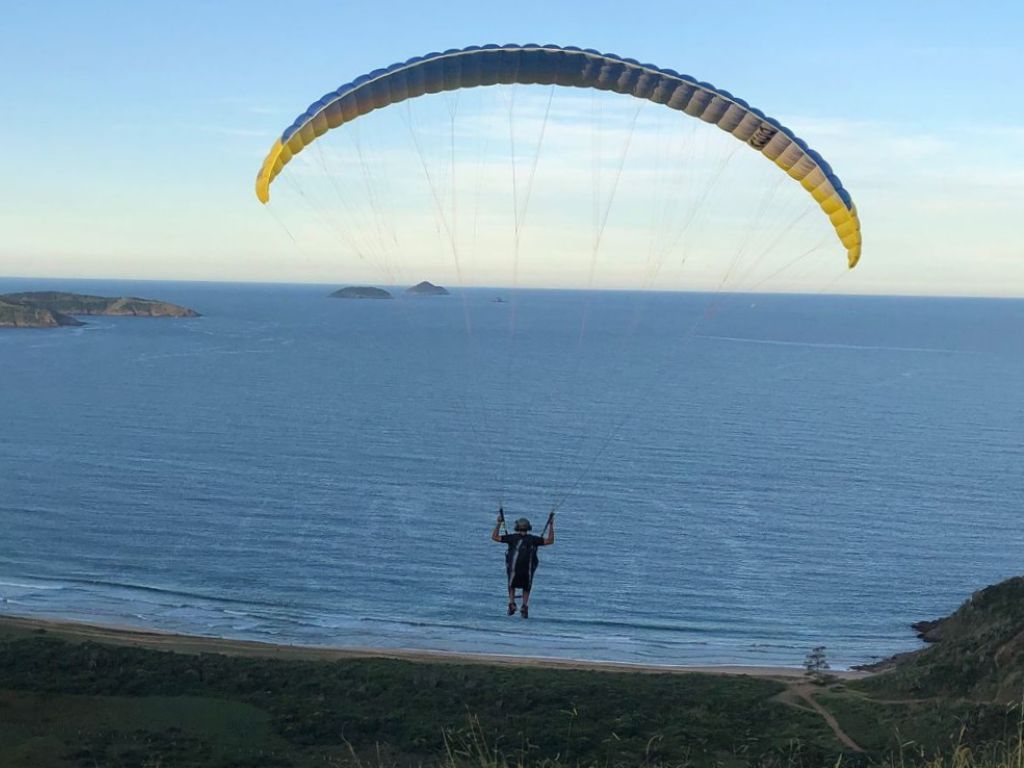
509, 565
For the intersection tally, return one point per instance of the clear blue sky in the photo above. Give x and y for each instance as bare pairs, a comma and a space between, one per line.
133, 130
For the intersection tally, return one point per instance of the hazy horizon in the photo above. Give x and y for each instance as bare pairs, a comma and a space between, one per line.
333, 284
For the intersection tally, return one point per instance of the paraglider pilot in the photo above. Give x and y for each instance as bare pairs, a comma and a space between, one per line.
521, 557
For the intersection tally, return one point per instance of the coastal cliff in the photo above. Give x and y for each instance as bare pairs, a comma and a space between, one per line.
51, 309
976, 652
13, 315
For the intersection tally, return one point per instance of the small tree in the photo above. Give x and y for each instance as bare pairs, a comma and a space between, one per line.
816, 664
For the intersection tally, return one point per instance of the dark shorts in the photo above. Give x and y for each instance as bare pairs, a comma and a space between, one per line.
521, 581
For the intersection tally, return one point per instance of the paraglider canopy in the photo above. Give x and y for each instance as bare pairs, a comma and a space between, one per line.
573, 67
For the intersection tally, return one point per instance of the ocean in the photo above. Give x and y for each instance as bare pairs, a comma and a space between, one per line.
738, 478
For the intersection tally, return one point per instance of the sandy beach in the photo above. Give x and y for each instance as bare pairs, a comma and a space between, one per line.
15, 626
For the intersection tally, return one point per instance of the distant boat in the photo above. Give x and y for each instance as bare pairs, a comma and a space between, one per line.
498, 300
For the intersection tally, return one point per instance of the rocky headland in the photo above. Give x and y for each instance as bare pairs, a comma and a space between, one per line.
14, 315
53, 309
975, 652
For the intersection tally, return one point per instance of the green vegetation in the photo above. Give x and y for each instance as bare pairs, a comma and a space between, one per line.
361, 292
298, 712
67, 702
980, 656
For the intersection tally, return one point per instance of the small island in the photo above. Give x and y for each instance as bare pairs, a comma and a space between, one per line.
426, 289
54, 309
361, 292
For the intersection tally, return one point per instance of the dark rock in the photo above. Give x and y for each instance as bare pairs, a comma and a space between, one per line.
929, 631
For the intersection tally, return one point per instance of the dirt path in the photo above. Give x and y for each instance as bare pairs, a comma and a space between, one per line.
805, 693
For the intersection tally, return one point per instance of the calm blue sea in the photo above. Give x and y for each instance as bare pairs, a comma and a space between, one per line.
739, 478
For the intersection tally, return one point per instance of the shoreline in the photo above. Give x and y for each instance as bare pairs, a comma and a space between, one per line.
160, 640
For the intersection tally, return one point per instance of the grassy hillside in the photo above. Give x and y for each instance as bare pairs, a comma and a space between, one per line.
107, 704
979, 656
73, 702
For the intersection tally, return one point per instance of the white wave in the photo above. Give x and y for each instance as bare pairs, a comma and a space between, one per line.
19, 585
832, 345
